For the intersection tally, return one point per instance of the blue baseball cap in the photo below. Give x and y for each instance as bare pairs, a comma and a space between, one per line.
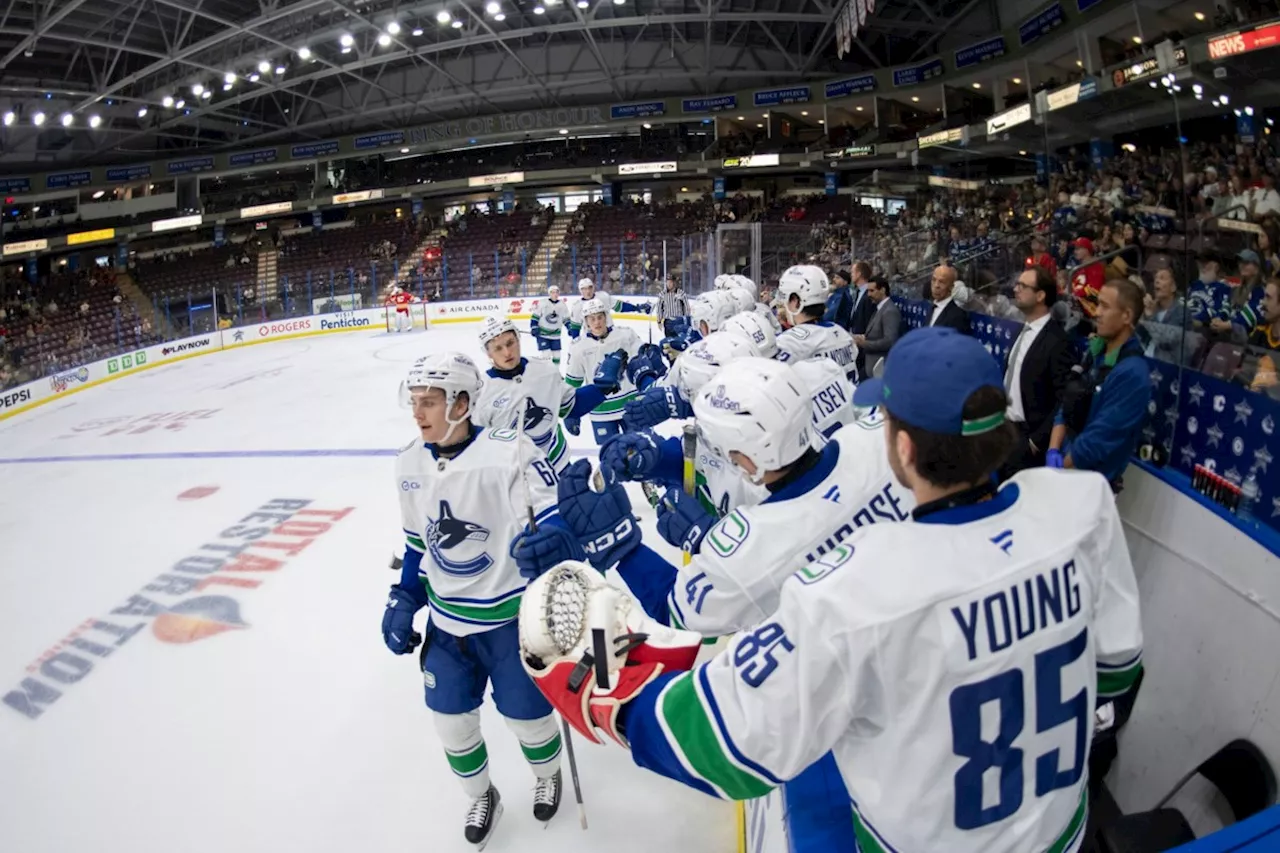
928, 377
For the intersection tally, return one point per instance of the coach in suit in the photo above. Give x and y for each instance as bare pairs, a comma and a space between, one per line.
1038, 370
945, 311
883, 328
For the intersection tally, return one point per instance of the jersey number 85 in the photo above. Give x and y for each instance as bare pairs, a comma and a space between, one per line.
1000, 754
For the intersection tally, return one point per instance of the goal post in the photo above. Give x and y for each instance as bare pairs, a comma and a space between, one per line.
417, 316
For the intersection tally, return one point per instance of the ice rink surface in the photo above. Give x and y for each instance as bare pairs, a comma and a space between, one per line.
245, 701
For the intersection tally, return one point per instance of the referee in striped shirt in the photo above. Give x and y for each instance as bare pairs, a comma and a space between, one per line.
671, 302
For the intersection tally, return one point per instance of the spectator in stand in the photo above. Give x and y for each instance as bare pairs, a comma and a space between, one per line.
1208, 295
945, 311
1104, 405
1086, 278
1245, 303
1165, 322
1264, 344
1040, 257
883, 328
1264, 201
1039, 367
840, 302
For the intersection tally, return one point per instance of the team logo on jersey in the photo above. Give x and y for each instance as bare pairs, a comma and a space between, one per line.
450, 533
534, 415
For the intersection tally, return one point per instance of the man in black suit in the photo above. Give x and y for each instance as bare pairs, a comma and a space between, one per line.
1038, 370
945, 311
863, 308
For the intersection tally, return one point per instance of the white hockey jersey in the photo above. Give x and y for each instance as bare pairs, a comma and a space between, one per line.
734, 579
585, 355
549, 316
831, 390
541, 393
461, 515
951, 667
810, 340
575, 310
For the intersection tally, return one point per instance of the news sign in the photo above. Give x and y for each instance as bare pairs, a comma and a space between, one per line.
1243, 41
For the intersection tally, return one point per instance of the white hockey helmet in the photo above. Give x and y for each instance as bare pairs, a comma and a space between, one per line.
704, 359
584, 283
553, 290
451, 372
721, 281
711, 308
740, 299
493, 327
808, 283
753, 327
760, 408
741, 282
593, 306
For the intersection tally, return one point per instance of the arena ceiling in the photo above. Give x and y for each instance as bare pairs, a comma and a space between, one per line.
172, 75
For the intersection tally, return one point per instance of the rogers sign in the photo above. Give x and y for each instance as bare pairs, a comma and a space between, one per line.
269, 329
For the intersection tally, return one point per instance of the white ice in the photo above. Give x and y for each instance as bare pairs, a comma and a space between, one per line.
300, 731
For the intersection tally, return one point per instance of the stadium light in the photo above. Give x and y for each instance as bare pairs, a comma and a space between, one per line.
197, 89
564, 131
443, 17
384, 40
457, 23
646, 125
539, 9
168, 101
179, 104
1199, 16
207, 94
9, 118
417, 31
977, 85
304, 52
1248, 111
99, 194
394, 28
915, 99
619, 2
280, 69
582, 4
499, 17
254, 78
264, 67
142, 112
347, 40
859, 109
1017, 81
67, 119
493, 7
229, 77
95, 121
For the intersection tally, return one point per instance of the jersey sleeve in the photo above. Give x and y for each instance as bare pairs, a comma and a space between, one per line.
538, 487
769, 706
573, 369
719, 591
1117, 624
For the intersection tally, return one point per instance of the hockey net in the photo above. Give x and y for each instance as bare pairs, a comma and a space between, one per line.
417, 316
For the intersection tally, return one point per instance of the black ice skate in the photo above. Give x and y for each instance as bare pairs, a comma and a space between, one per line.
482, 817
546, 798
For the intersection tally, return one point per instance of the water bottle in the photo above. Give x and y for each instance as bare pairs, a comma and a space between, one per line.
1248, 496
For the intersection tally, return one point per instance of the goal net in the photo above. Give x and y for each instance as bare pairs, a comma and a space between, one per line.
417, 316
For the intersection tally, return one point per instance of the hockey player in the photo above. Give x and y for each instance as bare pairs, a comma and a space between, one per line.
535, 390
804, 291
549, 316
741, 282
951, 665
587, 290
402, 300
708, 311
600, 356
755, 416
462, 501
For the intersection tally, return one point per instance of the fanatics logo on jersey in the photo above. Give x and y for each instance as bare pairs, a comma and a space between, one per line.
452, 534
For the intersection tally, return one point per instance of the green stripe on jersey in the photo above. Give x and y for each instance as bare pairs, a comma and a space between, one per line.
692, 736
573, 381
468, 763
543, 752
614, 404
1115, 682
497, 613
558, 447
415, 543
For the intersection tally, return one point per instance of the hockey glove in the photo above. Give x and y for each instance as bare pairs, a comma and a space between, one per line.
397, 621
1053, 458
630, 456
682, 521
538, 550
602, 521
647, 367
565, 617
674, 327
609, 374
572, 425
535, 330
653, 406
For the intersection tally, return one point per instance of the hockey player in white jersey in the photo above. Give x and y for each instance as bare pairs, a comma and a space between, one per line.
463, 500
741, 282
587, 290
952, 665
803, 291
516, 387
547, 320
755, 415
600, 356
709, 311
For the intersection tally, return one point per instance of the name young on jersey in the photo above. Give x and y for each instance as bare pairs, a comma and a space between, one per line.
994, 622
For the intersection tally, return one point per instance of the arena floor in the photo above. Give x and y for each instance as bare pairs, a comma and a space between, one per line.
248, 704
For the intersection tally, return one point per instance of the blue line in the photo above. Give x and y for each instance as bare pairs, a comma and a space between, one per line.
224, 454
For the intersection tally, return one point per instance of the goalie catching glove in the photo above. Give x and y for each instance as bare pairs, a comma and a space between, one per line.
571, 614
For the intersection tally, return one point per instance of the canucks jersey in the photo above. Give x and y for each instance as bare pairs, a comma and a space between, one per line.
811, 340
831, 390
734, 579
549, 317
951, 665
461, 514
575, 311
585, 355
539, 393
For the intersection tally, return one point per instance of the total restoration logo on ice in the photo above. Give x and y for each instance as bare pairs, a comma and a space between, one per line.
197, 598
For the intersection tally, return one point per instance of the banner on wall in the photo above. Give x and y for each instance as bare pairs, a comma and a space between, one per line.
1243, 41
508, 200
774, 97
255, 158
640, 110
189, 166
606, 194
1020, 114
752, 161
67, 180
916, 74
176, 223
944, 137
317, 221
714, 104
15, 185
91, 236
975, 54
495, 180
1144, 68
21, 247
415, 207
219, 235
362, 195
265, 209
1245, 128
1041, 24
1069, 95
850, 86
122, 254
717, 188
832, 183
661, 167
126, 174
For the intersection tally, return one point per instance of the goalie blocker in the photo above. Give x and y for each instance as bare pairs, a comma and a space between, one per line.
591, 648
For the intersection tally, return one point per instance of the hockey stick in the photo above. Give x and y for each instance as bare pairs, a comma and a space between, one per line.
689, 450
565, 731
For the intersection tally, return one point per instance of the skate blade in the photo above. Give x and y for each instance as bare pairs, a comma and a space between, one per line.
493, 824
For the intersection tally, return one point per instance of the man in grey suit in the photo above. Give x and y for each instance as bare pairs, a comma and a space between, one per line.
883, 328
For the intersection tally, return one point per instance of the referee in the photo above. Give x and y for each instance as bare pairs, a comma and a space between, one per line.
671, 302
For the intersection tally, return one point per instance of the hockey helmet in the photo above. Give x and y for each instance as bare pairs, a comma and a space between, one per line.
593, 306
451, 372
756, 330
808, 283
704, 359
711, 308
494, 327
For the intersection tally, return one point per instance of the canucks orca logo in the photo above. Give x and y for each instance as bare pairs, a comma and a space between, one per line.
448, 533
534, 415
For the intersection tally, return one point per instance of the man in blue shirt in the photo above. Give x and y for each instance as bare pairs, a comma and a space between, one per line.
1100, 421
840, 302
